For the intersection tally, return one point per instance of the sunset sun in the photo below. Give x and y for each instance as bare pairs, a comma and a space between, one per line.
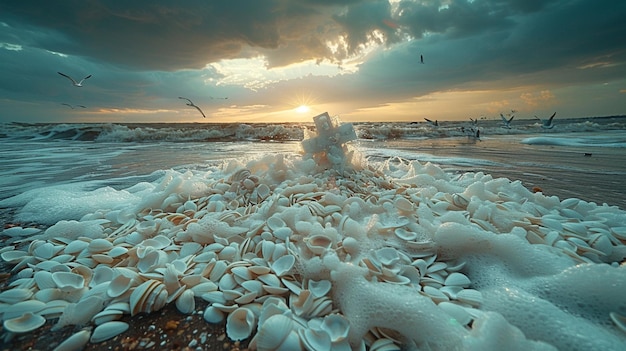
302, 109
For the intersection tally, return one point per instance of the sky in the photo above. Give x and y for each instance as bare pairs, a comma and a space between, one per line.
253, 61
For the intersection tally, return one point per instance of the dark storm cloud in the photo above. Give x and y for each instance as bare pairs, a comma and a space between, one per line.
166, 35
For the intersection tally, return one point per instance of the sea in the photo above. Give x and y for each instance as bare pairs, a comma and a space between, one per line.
55, 173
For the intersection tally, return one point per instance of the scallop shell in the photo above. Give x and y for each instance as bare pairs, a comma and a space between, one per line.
337, 327
186, 302
25, 323
213, 315
283, 265
99, 245
67, 281
75, 342
240, 324
15, 295
315, 339
108, 330
274, 332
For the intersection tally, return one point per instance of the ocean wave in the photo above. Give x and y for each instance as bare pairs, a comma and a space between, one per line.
111, 132
586, 141
199, 132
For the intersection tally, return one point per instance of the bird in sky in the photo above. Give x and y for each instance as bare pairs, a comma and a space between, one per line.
76, 84
218, 98
73, 107
190, 103
547, 123
422, 59
433, 123
507, 122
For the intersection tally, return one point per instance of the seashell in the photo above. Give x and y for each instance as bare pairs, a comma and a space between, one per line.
213, 315
203, 288
403, 204
44, 280
214, 297
120, 306
152, 260
99, 245
319, 288
246, 298
107, 315
435, 294
262, 191
457, 279
15, 295
619, 232
67, 281
404, 234
274, 333
337, 327
18, 309
470, 296
14, 256
117, 251
75, 246
189, 248
283, 265
275, 222
387, 256
240, 323
19, 231
25, 323
75, 342
384, 344
315, 339
142, 294
186, 302
318, 244
108, 330
46, 251
217, 271
25, 273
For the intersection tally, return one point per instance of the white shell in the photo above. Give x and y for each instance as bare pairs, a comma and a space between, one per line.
457, 279
283, 265
337, 327
67, 281
75, 342
25, 323
15, 295
240, 324
99, 245
186, 302
273, 332
108, 330
213, 315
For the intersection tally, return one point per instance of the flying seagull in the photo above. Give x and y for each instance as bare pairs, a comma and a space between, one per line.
507, 122
79, 84
190, 103
547, 124
72, 107
432, 123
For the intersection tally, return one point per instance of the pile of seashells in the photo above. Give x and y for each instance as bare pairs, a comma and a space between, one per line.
279, 247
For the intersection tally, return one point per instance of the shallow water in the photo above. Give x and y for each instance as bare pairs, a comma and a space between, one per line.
564, 171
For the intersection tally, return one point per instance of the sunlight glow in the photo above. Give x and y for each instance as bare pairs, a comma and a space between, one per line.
302, 109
